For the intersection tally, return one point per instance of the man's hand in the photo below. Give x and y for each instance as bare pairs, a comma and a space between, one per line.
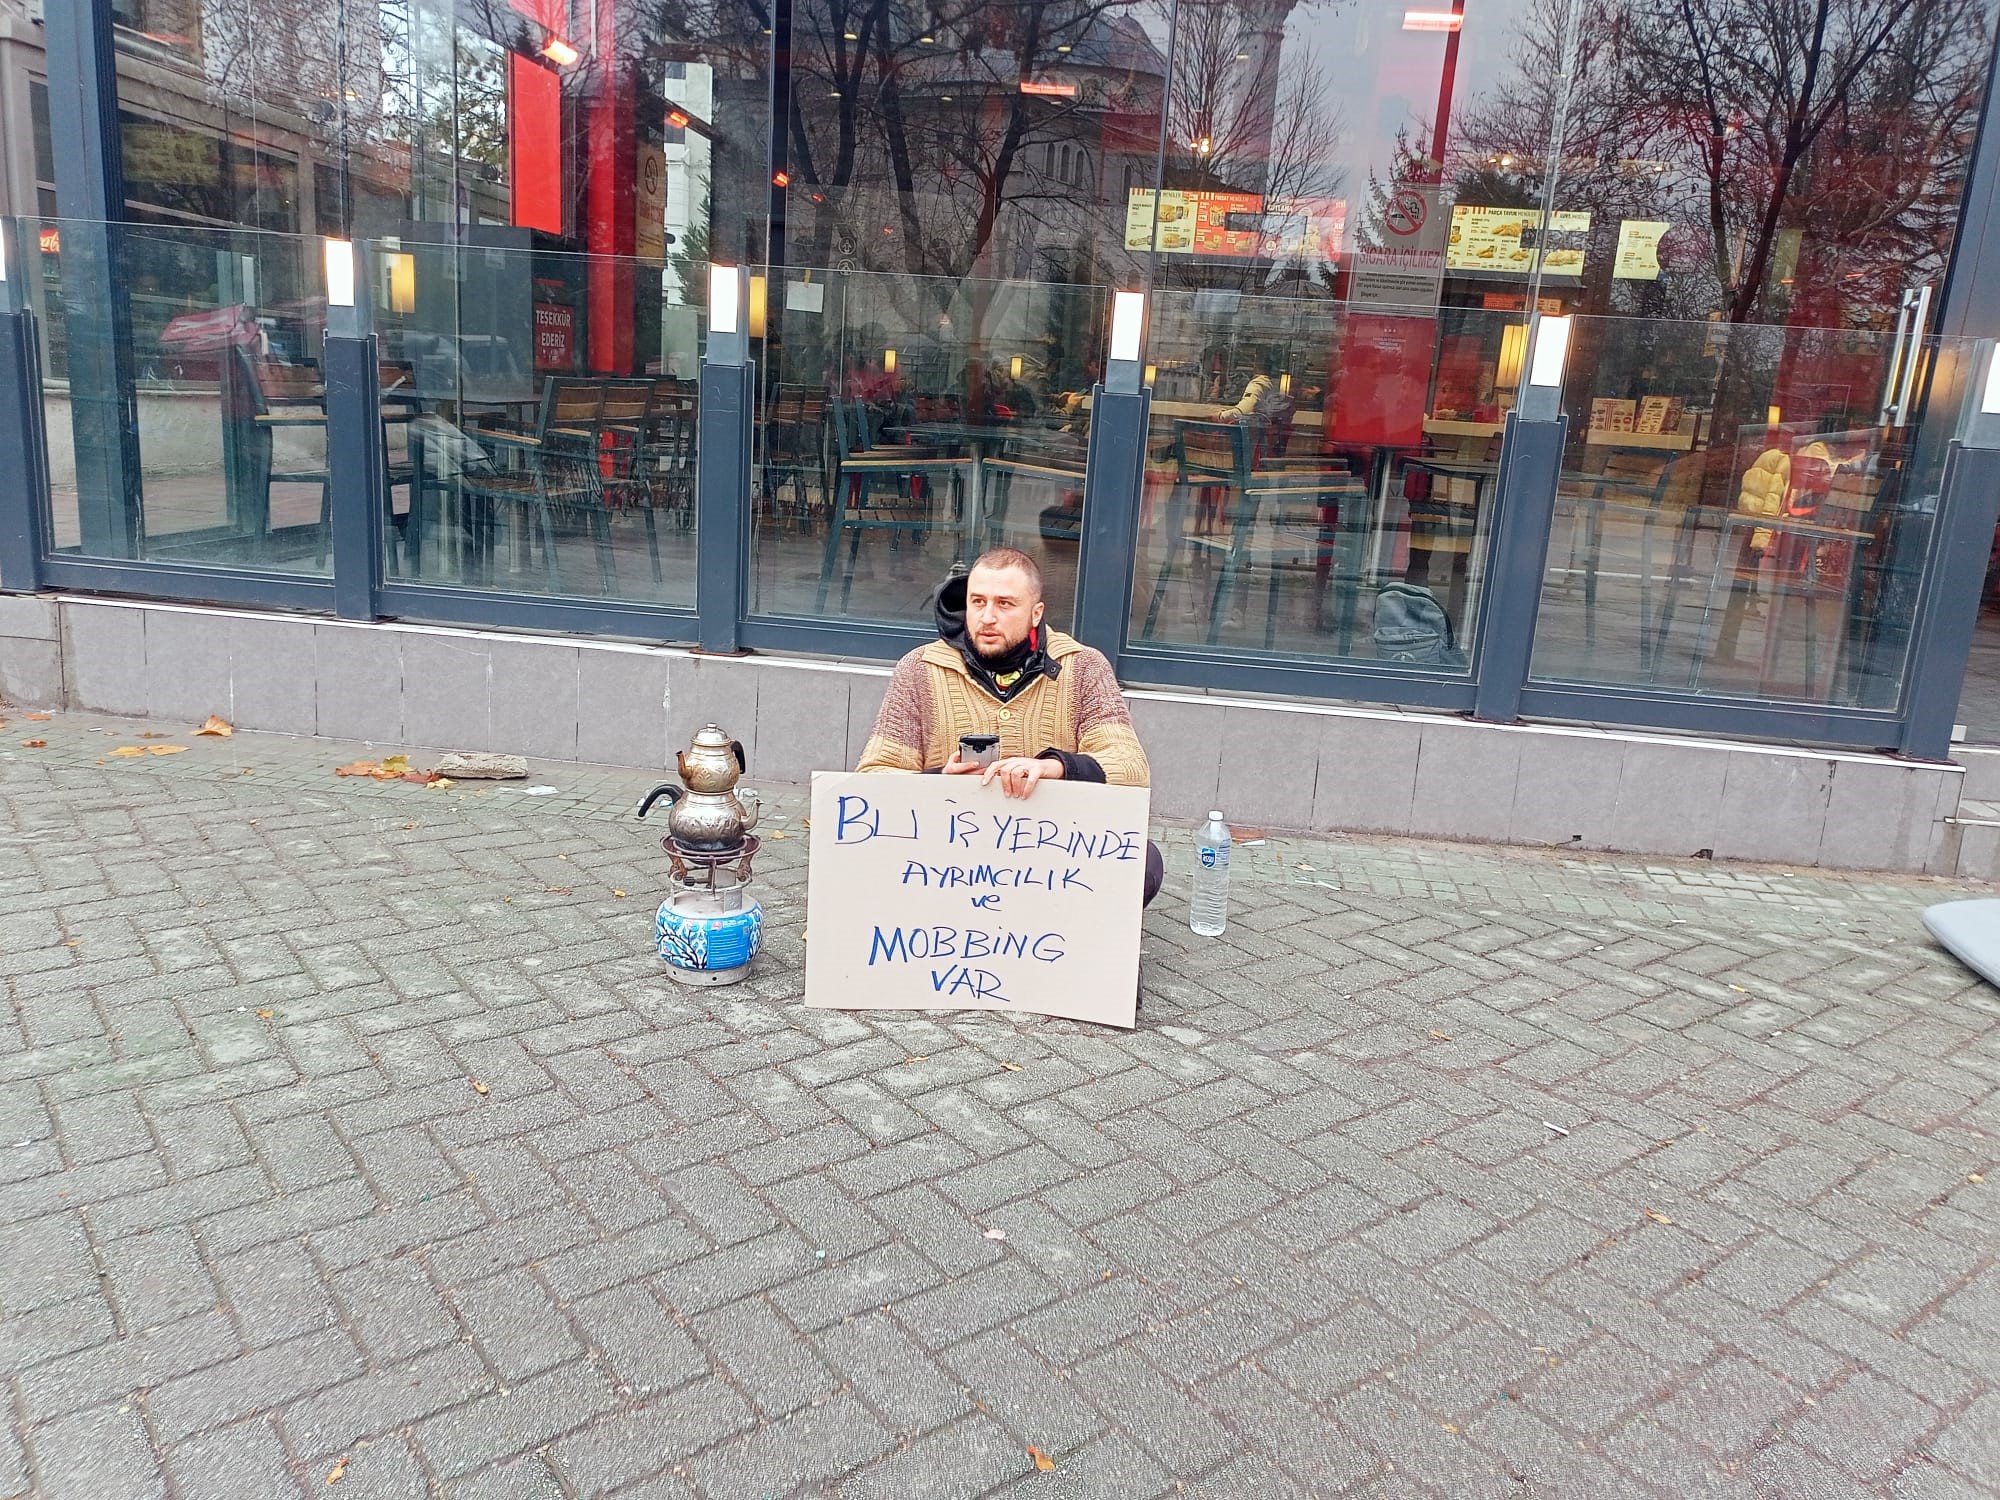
1020, 775
957, 767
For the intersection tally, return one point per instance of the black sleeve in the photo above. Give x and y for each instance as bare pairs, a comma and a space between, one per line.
1076, 766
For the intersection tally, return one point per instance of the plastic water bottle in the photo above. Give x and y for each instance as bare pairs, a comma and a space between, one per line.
1208, 913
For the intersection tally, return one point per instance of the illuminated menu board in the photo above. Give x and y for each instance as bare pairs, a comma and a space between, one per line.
1504, 239
1235, 225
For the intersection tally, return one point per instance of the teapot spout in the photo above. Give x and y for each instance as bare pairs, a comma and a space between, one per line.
751, 806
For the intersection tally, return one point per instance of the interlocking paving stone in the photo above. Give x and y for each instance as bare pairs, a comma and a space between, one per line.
1449, 1171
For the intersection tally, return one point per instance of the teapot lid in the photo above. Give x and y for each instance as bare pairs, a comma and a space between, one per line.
711, 736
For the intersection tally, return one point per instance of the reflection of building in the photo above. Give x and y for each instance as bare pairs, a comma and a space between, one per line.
1742, 533
1016, 168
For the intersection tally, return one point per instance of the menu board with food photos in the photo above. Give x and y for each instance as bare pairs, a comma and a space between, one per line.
1509, 239
1240, 226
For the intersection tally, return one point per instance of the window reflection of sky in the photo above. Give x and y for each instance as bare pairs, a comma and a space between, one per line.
1380, 79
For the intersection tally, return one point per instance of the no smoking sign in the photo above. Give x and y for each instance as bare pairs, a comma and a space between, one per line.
1406, 212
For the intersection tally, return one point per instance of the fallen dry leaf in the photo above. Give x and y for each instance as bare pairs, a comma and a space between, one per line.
128, 751
40, 718
479, 1088
1042, 1460
35, 744
1011, 1067
558, 890
996, 1234
165, 749
154, 734
917, 1057
1448, 1426
421, 778
1977, 1177
1439, 1035
353, 768
439, 783
618, 893
1657, 1217
778, 833
264, 1013
338, 1472
216, 725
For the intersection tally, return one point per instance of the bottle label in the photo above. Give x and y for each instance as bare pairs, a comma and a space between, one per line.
1214, 858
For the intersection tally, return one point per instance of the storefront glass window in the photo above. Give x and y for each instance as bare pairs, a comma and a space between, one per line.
1346, 218
536, 188
1333, 349
955, 198
1761, 205
226, 393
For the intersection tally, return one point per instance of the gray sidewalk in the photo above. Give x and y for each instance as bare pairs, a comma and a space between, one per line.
1452, 1171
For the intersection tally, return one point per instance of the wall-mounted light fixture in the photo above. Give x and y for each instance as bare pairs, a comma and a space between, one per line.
760, 305
728, 331
1128, 324
560, 52
339, 273
1549, 351
399, 281
1014, 367
11, 292
888, 361
347, 316
1152, 374
1989, 396
1128, 339
1513, 357
1548, 354
725, 313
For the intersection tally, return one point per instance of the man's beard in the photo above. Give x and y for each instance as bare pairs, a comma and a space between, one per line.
1005, 659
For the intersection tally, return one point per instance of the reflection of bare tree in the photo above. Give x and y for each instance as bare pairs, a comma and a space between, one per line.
1834, 128
915, 132
1241, 117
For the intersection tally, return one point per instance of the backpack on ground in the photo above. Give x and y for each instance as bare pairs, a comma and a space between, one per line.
1411, 626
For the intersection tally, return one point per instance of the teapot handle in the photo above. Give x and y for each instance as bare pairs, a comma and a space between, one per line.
742, 761
668, 790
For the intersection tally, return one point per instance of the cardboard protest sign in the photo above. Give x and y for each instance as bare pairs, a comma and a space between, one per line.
933, 892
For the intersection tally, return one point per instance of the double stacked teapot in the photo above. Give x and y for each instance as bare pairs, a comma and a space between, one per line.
708, 814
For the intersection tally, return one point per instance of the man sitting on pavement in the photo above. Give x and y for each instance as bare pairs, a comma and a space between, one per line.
995, 669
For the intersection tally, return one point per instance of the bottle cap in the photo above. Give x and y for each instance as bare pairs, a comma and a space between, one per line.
1215, 817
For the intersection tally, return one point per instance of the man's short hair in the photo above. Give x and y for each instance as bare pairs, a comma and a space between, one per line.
1010, 557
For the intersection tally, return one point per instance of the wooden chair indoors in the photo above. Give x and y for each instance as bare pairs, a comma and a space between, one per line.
903, 491
553, 471
1280, 521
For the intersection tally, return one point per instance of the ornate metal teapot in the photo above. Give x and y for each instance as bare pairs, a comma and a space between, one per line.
708, 814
